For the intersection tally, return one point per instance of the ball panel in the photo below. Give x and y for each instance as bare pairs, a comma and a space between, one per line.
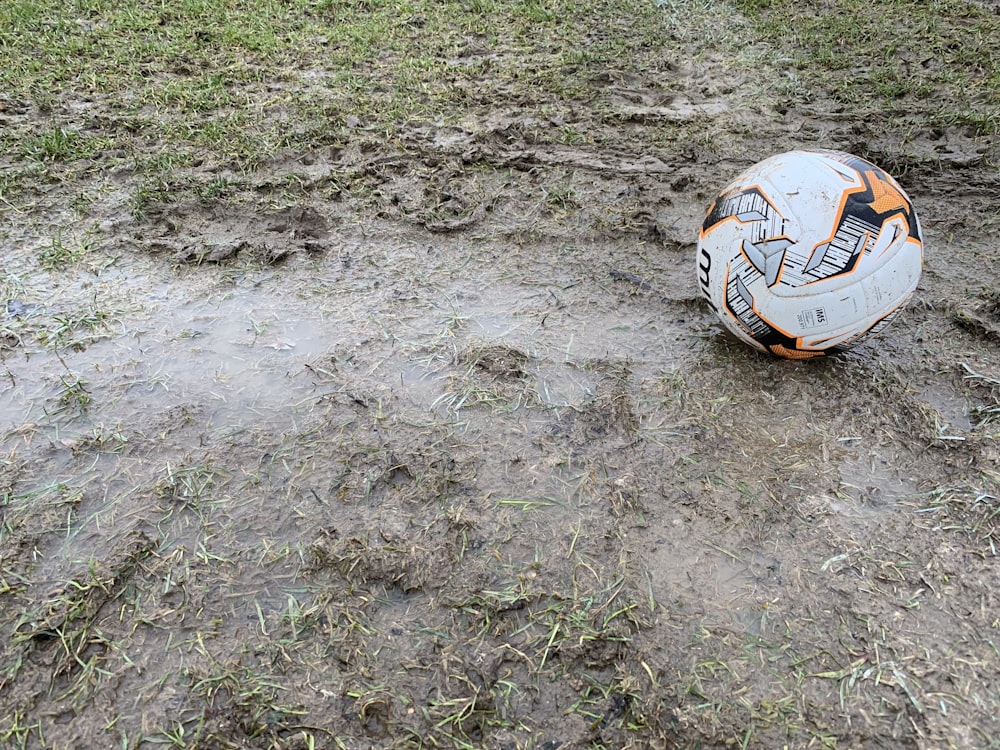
745, 205
865, 214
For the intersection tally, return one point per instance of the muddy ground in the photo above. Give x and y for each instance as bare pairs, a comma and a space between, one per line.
423, 438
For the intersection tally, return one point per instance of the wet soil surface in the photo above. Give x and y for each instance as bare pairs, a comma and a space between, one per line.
431, 442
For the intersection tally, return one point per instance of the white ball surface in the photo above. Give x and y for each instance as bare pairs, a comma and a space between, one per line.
809, 252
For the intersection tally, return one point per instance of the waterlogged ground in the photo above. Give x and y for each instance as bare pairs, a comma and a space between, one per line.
415, 433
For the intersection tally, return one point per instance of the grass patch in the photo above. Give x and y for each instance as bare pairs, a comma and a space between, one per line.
887, 56
59, 254
239, 83
60, 144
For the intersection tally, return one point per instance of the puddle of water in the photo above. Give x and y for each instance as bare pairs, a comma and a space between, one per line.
951, 405
721, 586
871, 484
242, 356
702, 571
237, 355
240, 352
565, 385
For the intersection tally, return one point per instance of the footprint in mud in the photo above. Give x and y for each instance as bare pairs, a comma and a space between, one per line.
983, 317
17, 309
224, 233
501, 362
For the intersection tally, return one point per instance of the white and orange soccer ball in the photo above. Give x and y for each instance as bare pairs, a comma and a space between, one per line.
809, 252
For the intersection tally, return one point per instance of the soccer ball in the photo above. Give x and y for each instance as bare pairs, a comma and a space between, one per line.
809, 252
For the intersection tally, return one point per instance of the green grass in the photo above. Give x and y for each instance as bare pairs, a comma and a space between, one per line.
60, 144
884, 57
59, 255
239, 82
